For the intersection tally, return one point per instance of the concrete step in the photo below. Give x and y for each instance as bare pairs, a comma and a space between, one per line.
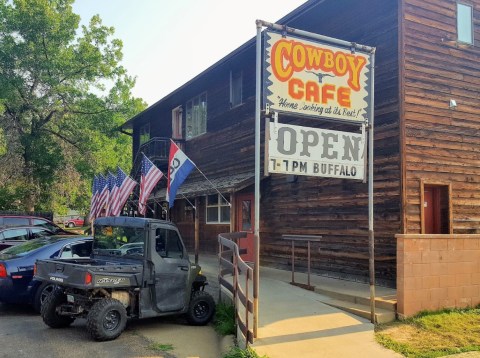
381, 315
388, 303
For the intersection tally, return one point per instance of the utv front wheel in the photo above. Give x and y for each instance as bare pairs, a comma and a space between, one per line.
106, 320
201, 308
49, 310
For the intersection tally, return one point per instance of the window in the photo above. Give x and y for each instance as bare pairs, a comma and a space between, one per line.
168, 244
218, 210
37, 233
436, 211
83, 249
196, 116
235, 88
15, 221
464, 23
177, 123
246, 215
16, 234
116, 241
46, 224
144, 133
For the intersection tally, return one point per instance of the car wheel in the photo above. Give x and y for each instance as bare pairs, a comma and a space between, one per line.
43, 291
71, 225
201, 308
49, 310
107, 319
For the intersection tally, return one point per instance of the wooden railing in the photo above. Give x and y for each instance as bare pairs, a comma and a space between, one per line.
237, 277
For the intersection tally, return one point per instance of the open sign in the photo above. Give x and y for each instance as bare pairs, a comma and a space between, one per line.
316, 152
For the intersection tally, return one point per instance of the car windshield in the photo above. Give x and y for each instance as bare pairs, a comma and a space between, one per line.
24, 249
118, 241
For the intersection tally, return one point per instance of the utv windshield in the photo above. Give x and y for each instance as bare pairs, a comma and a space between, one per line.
119, 241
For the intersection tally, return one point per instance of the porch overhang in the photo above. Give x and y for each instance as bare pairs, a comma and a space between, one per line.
200, 187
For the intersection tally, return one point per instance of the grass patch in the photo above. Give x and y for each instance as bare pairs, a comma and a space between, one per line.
433, 334
159, 347
236, 352
224, 321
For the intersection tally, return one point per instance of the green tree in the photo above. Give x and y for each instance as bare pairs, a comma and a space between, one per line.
63, 94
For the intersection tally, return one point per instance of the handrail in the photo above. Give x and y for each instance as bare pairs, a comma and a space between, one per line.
231, 268
304, 238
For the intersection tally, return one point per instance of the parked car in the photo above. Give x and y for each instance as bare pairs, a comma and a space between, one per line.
74, 221
17, 220
11, 236
17, 262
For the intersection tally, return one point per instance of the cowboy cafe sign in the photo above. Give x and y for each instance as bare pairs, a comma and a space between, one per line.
315, 79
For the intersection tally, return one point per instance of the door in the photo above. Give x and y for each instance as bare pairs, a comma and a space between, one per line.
245, 222
436, 209
172, 268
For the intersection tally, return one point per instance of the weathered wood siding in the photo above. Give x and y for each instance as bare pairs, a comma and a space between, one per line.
441, 145
338, 209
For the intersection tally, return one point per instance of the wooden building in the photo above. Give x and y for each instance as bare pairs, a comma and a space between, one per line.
427, 140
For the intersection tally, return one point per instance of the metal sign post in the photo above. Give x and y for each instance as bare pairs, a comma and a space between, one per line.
258, 94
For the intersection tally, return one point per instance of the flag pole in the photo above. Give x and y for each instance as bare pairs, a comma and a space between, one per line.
193, 206
213, 186
148, 206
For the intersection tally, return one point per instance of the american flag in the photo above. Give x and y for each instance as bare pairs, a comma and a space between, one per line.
94, 198
112, 188
123, 188
102, 196
150, 177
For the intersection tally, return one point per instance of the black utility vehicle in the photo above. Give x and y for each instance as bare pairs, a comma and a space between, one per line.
139, 268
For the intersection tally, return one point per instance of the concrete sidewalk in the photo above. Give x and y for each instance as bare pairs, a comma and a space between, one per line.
294, 323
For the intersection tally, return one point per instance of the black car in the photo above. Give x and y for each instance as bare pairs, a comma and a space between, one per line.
19, 220
11, 236
17, 262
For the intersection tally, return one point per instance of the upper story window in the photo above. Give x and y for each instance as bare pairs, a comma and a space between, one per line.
235, 88
218, 210
465, 23
144, 133
196, 116
177, 123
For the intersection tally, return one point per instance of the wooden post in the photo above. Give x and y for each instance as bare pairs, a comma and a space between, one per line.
197, 229
233, 218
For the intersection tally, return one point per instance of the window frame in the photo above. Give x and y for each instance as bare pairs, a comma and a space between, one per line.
193, 115
470, 21
177, 123
424, 183
219, 205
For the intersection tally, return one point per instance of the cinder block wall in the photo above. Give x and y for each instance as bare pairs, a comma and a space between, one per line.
437, 271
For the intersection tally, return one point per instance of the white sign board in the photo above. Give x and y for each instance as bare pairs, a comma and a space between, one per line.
314, 78
309, 151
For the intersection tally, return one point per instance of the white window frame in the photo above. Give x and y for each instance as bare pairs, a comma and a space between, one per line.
219, 205
177, 123
463, 21
236, 75
193, 117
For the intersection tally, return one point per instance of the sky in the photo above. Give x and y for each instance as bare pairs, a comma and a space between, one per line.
168, 42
